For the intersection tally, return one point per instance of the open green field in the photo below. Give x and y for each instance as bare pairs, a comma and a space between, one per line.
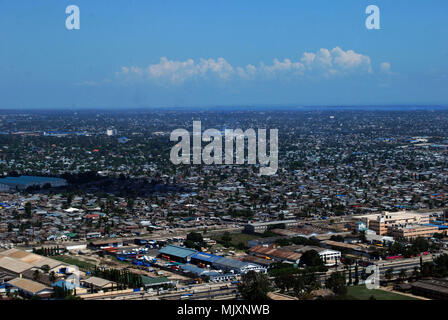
362, 293
76, 262
237, 238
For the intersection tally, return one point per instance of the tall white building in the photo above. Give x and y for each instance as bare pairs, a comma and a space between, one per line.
111, 132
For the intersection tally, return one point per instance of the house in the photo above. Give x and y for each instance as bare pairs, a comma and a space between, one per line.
434, 288
98, 284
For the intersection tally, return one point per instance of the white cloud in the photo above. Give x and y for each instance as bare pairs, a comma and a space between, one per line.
350, 60
323, 63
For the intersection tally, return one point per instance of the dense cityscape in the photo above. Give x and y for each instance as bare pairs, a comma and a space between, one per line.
223, 159
92, 208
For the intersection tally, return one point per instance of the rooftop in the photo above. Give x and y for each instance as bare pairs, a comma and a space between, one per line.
177, 251
28, 285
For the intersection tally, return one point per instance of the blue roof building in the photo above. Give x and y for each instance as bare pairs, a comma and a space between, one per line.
66, 285
205, 258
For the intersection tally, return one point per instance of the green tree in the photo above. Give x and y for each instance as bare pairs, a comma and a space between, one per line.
28, 209
226, 239
356, 274
311, 258
45, 268
254, 286
337, 283
284, 281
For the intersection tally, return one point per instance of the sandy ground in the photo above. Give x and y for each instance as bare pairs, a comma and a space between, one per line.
390, 289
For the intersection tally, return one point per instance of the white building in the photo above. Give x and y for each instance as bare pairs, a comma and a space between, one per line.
111, 132
237, 266
329, 257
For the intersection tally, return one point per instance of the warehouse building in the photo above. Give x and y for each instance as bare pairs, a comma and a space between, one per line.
257, 260
236, 266
177, 253
23, 260
276, 254
433, 289
97, 284
13, 266
30, 288
204, 259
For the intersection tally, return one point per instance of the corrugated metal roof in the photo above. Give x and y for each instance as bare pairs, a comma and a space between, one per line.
28, 285
193, 269
177, 251
154, 281
98, 282
14, 265
205, 257
231, 263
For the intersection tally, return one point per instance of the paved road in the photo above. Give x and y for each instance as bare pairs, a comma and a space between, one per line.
198, 292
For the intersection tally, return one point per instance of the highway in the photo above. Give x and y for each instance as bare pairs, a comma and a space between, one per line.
215, 291
197, 292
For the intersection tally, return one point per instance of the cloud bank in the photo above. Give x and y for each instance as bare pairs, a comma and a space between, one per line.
324, 64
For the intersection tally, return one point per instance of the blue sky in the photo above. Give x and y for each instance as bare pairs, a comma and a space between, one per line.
206, 52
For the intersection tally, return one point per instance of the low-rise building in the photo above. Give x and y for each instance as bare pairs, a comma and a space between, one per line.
379, 222
177, 253
31, 288
412, 231
276, 254
434, 288
260, 227
237, 266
